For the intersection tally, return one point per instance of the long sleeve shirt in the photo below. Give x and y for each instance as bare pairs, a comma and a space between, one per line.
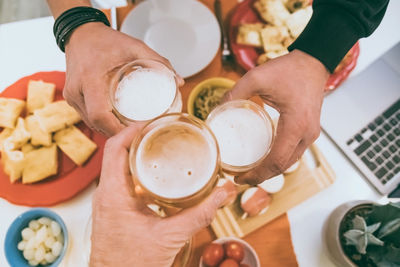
336, 25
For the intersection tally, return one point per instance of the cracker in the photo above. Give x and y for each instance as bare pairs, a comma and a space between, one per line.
40, 164
39, 94
19, 137
273, 38
297, 21
249, 34
272, 11
10, 110
75, 144
13, 164
38, 136
56, 116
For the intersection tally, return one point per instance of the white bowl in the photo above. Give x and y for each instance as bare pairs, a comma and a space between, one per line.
250, 255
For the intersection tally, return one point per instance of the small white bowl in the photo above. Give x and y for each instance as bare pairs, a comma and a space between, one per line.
250, 255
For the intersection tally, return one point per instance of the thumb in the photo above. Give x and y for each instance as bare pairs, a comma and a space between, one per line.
193, 219
245, 88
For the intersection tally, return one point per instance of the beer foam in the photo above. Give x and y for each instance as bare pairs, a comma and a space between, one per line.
145, 94
242, 134
175, 161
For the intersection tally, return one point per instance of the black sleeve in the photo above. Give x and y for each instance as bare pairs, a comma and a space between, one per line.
335, 27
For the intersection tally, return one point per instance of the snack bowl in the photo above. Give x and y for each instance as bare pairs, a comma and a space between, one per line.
250, 255
208, 84
13, 237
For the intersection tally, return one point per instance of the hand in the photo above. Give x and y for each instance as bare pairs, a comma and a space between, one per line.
93, 52
294, 85
125, 232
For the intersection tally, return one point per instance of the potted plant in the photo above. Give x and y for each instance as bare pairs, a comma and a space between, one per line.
362, 233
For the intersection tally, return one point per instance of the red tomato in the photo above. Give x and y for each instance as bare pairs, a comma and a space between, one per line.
244, 265
213, 254
234, 250
229, 263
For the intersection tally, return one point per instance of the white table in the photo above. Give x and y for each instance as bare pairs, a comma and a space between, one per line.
27, 47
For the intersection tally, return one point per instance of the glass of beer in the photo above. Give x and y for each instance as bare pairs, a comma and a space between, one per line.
244, 133
174, 161
142, 90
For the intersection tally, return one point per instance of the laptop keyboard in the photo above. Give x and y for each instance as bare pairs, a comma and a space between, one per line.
378, 144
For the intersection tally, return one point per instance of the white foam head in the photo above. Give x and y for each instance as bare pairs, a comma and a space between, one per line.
243, 135
175, 161
145, 94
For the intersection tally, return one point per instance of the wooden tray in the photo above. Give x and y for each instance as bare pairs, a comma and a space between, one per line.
299, 186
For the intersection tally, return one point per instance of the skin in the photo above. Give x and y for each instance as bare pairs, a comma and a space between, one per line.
294, 85
125, 232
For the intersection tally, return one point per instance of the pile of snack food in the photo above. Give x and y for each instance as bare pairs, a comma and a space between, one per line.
32, 131
283, 21
42, 241
207, 100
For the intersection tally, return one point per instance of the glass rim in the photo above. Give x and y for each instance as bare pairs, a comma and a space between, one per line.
137, 140
116, 79
265, 116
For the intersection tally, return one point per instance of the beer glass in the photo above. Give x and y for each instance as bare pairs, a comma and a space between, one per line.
174, 161
142, 90
244, 132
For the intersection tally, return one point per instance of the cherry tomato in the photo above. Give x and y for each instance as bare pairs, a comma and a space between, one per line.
229, 263
234, 250
213, 254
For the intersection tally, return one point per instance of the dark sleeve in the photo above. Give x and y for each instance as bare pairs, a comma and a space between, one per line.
335, 27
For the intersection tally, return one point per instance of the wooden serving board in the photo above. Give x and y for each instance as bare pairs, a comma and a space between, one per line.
299, 186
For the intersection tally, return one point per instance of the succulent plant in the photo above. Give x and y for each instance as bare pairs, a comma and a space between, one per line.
375, 235
362, 235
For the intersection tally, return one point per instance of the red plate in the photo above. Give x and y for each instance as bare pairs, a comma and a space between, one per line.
71, 179
246, 56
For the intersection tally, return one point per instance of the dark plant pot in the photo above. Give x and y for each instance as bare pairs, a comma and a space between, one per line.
331, 233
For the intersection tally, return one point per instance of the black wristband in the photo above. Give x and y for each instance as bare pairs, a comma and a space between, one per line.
71, 19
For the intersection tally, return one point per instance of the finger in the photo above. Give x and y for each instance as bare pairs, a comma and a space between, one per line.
245, 88
99, 110
288, 137
193, 219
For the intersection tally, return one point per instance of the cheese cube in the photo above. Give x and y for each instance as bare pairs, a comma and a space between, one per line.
40, 164
56, 116
10, 109
38, 136
39, 94
75, 144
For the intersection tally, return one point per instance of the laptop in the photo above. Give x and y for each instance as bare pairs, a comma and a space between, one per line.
363, 118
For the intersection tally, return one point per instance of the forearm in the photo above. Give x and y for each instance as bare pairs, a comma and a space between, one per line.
57, 7
336, 25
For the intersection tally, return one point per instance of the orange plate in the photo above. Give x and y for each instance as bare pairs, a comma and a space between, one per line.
246, 56
71, 179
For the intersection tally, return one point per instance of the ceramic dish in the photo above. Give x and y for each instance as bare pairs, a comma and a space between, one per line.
216, 82
185, 32
15, 257
71, 179
250, 255
246, 56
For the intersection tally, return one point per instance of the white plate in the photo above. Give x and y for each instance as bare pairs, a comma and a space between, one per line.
185, 32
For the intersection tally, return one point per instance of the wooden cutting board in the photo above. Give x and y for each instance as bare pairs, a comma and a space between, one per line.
299, 186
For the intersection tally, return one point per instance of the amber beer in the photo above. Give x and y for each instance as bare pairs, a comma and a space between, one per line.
175, 161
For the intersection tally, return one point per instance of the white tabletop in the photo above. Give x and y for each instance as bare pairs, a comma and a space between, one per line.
27, 47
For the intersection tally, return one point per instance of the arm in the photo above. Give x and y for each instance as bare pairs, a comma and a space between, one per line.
294, 84
57, 7
335, 27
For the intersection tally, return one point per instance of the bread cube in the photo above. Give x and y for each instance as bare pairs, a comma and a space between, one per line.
38, 136
39, 94
249, 34
3, 135
19, 137
272, 11
297, 21
40, 164
75, 144
10, 110
13, 164
56, 116
27, 148
273, 37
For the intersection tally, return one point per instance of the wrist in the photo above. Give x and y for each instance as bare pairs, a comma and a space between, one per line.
311, 63
83, 32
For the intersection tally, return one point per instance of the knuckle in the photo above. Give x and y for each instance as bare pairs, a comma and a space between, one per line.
206, 216
278, 166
